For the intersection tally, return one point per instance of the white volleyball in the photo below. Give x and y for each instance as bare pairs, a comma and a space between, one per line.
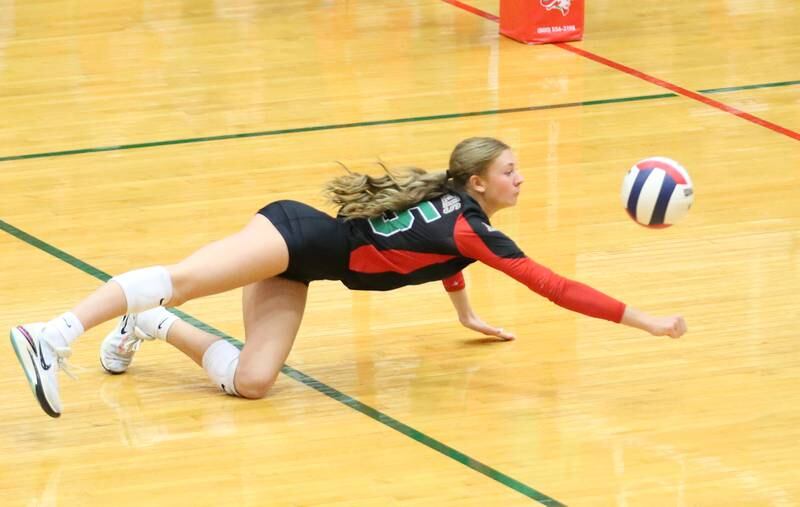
657, 192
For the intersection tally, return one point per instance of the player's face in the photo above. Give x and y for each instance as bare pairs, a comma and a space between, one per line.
502, 181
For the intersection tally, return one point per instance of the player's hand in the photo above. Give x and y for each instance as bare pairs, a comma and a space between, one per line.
476, 324
674, 326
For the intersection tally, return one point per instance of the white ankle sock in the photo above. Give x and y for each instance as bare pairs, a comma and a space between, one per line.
156, 322
220, 361
69, 328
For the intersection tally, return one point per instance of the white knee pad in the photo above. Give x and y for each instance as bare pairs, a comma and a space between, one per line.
220, 361
145, 288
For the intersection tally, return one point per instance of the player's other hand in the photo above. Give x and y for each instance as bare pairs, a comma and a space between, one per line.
476, 324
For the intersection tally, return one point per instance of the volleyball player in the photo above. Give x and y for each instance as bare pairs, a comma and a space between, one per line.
404, 228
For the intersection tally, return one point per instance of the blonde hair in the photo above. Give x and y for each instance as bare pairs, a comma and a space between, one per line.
362, 196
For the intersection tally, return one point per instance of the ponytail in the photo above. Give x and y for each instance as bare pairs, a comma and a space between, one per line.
363, 196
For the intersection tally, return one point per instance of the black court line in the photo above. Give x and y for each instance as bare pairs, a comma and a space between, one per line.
309, 381
394, 121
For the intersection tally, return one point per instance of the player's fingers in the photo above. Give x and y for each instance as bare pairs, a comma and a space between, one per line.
677, 328
681, 326
501, 333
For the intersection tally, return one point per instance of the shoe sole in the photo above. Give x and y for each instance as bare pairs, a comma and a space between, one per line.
110, 371
20, 344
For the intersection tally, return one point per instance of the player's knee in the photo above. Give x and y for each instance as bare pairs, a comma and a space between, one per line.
145, 288
254, 384
182, 286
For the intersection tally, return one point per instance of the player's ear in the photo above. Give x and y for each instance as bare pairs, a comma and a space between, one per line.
476, 183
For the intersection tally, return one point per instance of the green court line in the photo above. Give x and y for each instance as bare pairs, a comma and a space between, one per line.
711, 91
337, 126
412, 119
309, 381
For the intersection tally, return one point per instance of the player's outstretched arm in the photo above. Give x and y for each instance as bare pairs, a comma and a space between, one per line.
471, 321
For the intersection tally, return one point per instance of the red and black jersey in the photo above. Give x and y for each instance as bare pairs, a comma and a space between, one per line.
438, 238
434, 240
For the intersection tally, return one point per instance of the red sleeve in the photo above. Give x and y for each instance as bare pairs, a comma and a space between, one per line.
562, 291
454, 283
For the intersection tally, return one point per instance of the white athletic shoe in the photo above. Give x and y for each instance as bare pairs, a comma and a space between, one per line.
40, 361
121, 344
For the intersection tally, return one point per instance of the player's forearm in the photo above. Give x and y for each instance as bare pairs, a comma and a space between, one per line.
461, 304
636, 318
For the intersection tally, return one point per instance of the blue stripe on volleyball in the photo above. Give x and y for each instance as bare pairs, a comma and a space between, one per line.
660, 209
636, 190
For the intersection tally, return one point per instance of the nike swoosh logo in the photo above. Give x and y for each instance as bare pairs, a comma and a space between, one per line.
67, 323
124, 324
162, 322
45, 366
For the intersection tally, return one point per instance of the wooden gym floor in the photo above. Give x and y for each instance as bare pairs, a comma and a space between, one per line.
134, 132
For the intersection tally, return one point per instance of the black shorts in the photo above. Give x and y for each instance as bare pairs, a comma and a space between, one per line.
318, 243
